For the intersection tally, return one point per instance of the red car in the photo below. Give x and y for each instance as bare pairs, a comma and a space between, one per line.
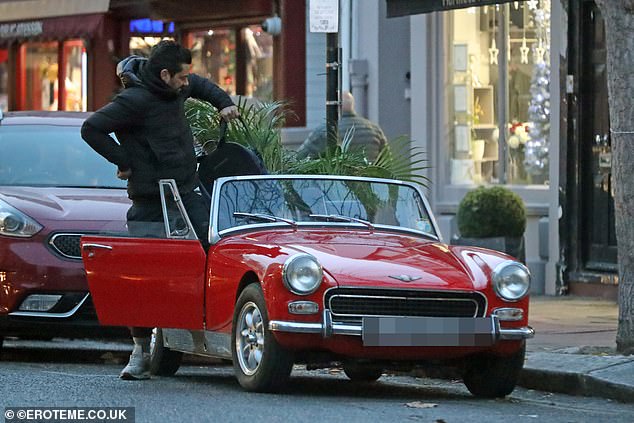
320, 270
53, 189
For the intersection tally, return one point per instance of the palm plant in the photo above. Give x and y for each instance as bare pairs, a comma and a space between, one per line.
260, 129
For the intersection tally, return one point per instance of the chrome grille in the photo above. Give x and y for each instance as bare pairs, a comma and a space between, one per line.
354, 303
67, 245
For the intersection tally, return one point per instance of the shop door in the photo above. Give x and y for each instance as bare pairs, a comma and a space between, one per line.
598, 235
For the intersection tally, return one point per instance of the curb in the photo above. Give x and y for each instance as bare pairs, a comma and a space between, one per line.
575, 384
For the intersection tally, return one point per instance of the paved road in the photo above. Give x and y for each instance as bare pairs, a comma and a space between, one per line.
209, 392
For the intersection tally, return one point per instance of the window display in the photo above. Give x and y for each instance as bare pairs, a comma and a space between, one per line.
4, 80
498, 81
75, 67
141, 46
239, 60
214, 57
40, 74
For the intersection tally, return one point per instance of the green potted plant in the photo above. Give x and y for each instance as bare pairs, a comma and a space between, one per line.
492, 217
260, 128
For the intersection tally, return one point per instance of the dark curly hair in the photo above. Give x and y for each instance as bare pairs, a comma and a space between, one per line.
170, 55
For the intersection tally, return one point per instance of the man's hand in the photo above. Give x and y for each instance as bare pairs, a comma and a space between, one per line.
229, 113
124, 174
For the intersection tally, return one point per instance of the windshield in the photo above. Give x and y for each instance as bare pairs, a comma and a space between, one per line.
48, 155
349, 202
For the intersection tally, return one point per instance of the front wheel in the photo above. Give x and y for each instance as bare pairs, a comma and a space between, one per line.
260, 363
163, 361
491, 376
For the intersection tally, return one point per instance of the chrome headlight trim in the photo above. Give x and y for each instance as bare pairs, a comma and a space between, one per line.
15, 223
511, 280
302, 274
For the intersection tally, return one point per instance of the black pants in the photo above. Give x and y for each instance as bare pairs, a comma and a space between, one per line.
145, 220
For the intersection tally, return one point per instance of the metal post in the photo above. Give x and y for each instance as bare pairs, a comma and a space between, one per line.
503, 89
332, 88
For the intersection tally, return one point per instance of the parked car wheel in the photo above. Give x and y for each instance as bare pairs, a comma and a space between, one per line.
260, 363
163, 361
491, 376
362, 372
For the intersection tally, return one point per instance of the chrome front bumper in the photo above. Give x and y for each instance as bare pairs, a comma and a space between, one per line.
328, 328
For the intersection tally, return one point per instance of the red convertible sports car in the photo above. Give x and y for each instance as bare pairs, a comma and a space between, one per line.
53, 189
320, 270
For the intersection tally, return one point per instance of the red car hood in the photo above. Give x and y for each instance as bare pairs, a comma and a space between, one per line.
388, 260
68, 204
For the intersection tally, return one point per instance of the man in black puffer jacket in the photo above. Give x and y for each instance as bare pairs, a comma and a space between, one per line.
155, 142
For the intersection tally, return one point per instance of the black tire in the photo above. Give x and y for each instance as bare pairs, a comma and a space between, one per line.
260, 363
163, 361
361, 372
490, 376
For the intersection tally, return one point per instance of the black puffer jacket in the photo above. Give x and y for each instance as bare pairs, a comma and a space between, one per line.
148, 119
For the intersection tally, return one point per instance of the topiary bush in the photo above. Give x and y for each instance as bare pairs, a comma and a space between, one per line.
491, 212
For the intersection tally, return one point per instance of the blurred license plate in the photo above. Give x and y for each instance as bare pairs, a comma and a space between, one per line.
429, 331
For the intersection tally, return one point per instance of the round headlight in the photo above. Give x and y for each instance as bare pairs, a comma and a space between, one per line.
511, 280
302, 274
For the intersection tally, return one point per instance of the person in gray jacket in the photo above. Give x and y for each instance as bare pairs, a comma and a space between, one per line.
155, 142
367, 136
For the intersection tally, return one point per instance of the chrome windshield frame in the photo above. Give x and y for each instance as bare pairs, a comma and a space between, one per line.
215, 235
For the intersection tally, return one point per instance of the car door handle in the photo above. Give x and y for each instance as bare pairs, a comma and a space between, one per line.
91, 246
101, 246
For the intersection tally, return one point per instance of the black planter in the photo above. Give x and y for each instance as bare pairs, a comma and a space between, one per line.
513, 246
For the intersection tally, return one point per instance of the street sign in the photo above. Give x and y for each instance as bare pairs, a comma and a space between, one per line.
324, 15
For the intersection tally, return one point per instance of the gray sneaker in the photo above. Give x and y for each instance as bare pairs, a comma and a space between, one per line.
138, 367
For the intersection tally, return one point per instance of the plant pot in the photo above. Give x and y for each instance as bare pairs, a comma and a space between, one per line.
513, 246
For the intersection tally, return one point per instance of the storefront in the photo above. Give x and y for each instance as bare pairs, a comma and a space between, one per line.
485, 106
229, 45
515, 93
44, 63
63, 56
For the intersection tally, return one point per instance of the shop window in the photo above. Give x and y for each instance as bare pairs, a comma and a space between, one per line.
39, 71
40, 86
214, 57
258, 46
239, 60
76, 73
141, 45
4, 80
497, 127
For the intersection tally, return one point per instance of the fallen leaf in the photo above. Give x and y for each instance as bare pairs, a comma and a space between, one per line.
418, 404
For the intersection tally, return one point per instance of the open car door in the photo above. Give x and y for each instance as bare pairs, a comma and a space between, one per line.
149, 282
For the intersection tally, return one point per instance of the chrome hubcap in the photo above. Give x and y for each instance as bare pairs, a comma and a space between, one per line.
250, 338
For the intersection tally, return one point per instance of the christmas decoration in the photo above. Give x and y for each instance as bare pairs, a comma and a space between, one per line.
493, 50
536, 147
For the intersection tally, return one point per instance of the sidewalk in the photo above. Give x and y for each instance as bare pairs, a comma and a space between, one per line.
574, 349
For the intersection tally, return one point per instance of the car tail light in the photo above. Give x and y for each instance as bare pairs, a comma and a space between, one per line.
39, 302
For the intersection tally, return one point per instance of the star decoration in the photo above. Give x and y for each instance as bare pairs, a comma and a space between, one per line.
532, 4
524, 50
539, 54
493, 53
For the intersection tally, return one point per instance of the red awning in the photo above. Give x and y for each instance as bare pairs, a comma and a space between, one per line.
77, 26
